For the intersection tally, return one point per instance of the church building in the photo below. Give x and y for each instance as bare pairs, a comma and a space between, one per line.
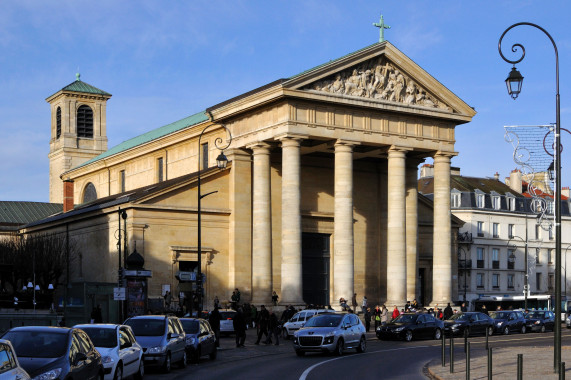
318, 201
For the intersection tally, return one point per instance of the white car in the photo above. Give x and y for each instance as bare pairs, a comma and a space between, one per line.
10, 368
298, 320
120, 353
227, 321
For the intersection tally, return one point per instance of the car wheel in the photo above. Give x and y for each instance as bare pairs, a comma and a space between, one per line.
167, 364
408, 335
523, 329
118, 372
299, 352
141, 372
506, 330
339, 347
195, 357
543, 328
182, 362
213, 354
362, 347
437, 334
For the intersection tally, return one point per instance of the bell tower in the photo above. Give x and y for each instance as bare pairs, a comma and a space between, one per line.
78, 130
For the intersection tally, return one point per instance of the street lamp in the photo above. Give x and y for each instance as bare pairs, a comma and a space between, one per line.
221, 162
514, 83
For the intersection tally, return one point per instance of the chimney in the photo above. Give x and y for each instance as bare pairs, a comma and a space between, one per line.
426, 170
565, 191
497, 176
515, 181
67, 195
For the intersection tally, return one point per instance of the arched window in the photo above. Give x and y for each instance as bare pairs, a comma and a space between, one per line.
84, 122
89, 194
58, 123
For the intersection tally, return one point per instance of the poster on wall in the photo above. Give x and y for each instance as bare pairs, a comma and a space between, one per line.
136, 297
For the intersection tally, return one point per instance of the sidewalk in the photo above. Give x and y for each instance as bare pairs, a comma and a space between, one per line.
537, 363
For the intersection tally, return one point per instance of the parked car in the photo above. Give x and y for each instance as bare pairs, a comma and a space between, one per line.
162, 338
55, 352
330, 332
541, 321
200, 339
122, 356
10, 368
298, 320
227, 321
469, 323
568, 322
409, 326
508, 321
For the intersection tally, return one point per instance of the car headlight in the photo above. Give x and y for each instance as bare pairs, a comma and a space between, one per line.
454, 327
537, 322
329, 338
107, 359
398, 329
190, 340
500, 323
157, 350
50, 375
295, 339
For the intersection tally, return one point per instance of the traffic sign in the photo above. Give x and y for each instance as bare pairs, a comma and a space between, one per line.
119, 294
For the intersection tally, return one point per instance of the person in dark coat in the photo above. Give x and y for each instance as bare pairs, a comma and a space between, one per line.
214, 320
263, 322
368, 319
273, 329
239, 323
96, 315
448, 312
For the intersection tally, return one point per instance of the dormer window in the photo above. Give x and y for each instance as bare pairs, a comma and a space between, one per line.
85, 122
58, 122
496, 202
455, 199
511, 203
480, 200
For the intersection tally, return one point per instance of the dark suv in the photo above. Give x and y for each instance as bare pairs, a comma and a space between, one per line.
162, 338
508, 321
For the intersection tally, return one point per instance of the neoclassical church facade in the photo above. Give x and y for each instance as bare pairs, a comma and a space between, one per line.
319, 199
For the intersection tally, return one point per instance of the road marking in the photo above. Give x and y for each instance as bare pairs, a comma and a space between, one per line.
307, 371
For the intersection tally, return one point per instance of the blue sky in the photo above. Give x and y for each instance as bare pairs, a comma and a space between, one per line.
163, 61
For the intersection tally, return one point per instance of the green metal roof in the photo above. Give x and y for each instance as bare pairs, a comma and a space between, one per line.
80, 86
17, 213
150, 136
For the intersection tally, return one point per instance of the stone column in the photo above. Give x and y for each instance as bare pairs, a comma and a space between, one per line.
292, 282
343, 259
411, 228
442, 236
396, 233
262, 226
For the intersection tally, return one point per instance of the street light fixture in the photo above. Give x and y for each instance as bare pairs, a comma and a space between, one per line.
514, 88
221, 163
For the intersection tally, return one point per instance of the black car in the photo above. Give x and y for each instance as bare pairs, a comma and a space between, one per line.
469, 323
540, 320
56, 352
409, 326
200, 339
508, 321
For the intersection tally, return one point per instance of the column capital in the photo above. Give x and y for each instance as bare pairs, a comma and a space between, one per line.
397, 148
347, 143
291, 137
444, 154
259, 147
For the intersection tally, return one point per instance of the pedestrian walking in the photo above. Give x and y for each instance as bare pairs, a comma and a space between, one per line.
96, 315
168, 300
275, 298
368, 319
263, 322
463, 308
396, 312
216, 302
448, 312
214, 320
364, 304
354, 302
377, 315
239, 323
384, 314
273, 329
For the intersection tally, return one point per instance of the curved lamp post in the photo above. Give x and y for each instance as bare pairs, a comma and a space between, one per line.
221, 162
514, 82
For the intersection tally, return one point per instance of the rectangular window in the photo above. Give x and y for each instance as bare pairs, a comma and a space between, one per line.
510, 281
160, 169
480, 280
551, 283
537, 252
495, 258
511, 258
480, 257
455, 200
122, 181
510, 231
495, 280
481, 229
496, 203
496, 230
511, 204
480, 200
550, 256
204, 154
538, 281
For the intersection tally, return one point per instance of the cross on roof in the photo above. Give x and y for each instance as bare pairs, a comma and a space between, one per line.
382, 26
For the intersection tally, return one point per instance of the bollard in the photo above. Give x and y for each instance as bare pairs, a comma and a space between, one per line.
468, 361
465, 342
562, 371
452, 353
443, 350
487, 337
489, 363
519, 366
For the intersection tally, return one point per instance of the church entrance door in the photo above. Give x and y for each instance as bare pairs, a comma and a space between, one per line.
315, 272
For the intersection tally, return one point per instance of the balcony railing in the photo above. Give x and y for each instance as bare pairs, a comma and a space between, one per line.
495, 264
465, 264
480, 263
511, 265
464, 237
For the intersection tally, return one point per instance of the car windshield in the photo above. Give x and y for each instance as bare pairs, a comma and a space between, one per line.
324, 320
102, 337
406, 318
499, 314
460, 317
147, 327
38, 344
190, 326
536, 314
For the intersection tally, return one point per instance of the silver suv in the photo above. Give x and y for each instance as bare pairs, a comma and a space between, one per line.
330, 333
162, 338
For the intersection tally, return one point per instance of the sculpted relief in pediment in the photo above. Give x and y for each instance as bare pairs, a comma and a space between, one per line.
378, 79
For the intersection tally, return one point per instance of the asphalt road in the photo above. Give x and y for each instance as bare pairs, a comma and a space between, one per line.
382, 360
